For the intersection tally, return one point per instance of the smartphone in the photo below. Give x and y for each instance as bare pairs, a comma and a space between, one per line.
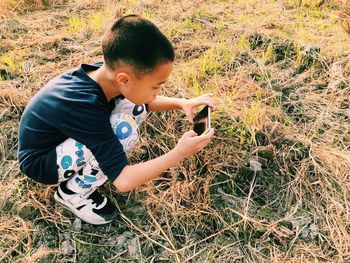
201, 122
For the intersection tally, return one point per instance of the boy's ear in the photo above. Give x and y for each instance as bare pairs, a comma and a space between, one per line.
123, 78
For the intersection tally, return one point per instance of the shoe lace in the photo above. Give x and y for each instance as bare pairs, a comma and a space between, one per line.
96, 198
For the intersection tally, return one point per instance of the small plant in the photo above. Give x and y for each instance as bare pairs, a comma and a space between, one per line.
9, 63
214, 60
316, 13
100, 19
76, 24
253, 118
308, 57
191, 79
269, 54
243, 43
208, 64
220, 26
147, 15
186, 25
97, 21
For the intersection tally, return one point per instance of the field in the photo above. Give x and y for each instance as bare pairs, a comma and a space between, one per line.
272, 186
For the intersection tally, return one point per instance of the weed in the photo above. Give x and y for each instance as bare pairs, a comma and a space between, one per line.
8, 62
191, 79
10, 65
76, 24
100, 19
214, 60
147, 15
269, 54
243, 43
220, 26
195, 23
253, 117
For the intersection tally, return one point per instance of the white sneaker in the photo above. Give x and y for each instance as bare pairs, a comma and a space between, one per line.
90, 206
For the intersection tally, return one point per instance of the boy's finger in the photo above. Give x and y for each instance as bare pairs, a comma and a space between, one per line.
191, 133
210, 103
207, 94
200, 102
207, 134
190, 117
211, 130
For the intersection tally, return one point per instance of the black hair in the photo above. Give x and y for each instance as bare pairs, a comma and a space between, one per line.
137, 42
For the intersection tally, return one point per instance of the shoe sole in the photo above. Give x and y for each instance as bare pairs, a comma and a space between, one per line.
76, 212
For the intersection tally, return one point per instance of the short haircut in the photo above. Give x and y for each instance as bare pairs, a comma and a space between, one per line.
137, 42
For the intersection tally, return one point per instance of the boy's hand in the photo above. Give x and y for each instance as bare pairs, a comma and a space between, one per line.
189, 105
190, 143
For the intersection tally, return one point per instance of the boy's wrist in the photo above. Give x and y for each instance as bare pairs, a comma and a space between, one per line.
182, 102
176, 155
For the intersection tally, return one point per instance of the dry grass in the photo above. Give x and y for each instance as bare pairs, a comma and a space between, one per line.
345, 16
280, 71
12, 7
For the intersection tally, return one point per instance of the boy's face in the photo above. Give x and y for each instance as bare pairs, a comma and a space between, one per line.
145, 88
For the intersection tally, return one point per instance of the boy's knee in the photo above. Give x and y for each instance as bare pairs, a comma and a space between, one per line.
125, 128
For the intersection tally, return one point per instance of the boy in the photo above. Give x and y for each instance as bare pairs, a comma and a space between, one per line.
76, 129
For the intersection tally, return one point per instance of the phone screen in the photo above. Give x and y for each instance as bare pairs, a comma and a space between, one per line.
202, 121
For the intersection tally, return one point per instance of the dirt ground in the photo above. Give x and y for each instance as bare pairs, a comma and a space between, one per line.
273, 186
